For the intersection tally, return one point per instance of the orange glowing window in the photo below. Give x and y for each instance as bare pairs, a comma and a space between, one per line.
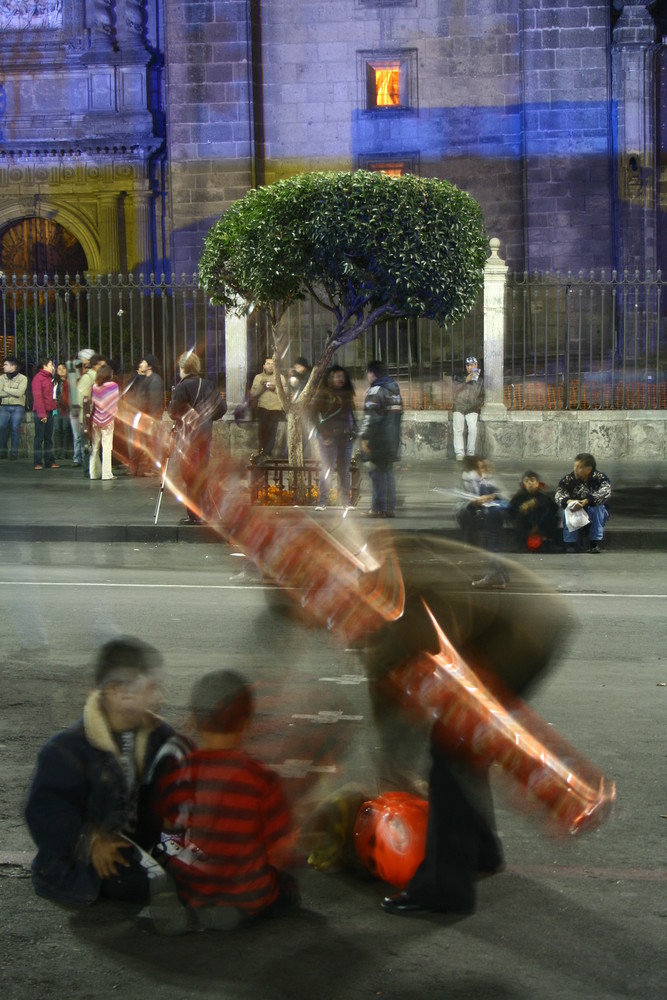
387, 93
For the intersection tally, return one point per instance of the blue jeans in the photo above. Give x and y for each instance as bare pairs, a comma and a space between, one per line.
336, 455
598, 516
384, 488
11, 418
44, 439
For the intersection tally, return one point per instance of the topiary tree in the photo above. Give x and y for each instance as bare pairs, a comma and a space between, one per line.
366, 246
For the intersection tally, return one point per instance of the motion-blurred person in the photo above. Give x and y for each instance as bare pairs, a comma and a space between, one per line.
94, 781
231, 810
148, 397
104, 395
269, 407
44, 406
74, 373
584, 489
90, 363
336, 428
481, 518
512, 640
62, 431
535, 514
195, 403
380, 434
13, 388
468, 399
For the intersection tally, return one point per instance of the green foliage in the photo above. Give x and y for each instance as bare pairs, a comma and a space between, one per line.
369, 247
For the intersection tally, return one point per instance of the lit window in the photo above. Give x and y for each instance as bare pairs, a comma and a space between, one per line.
387, 87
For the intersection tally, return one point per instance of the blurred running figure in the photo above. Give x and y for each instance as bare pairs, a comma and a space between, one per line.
380, 435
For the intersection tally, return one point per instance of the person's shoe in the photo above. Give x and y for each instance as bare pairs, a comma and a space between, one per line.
76, 465
54, 465
459, 458
39, 466
489, 583
594, 549
403, 905
190, 520
390, 513
376, 513
570, 549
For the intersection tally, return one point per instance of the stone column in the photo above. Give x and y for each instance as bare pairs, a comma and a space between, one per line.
495, 275
109, 234
633, 65
236, 358
139, 222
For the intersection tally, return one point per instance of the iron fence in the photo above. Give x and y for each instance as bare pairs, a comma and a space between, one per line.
585, 341
571, 342
121, 317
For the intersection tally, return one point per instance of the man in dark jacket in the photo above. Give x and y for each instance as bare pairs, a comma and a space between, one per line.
468, 399
195, 403
584, 489
92, 786
147, 396
380, 435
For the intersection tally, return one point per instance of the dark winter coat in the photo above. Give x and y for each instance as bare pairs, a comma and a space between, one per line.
597, 489
190, 395
78, 788
152, 396
381, 423
467, 397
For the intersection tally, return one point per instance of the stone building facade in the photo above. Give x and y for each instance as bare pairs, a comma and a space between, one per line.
127, 126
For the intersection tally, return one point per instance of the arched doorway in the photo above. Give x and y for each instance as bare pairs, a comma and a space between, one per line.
40, 246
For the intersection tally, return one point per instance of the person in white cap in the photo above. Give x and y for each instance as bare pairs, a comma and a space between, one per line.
468, 399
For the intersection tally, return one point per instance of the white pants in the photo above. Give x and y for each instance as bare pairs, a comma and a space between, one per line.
459, 420
103, 436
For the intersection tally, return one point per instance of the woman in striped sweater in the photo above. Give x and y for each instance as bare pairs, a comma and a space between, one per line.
105, 397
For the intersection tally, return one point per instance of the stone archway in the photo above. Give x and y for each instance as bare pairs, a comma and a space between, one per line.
40, 246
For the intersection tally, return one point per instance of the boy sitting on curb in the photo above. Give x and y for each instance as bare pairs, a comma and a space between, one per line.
235, 823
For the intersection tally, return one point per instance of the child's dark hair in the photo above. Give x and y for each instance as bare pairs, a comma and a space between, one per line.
126, 653
221, 702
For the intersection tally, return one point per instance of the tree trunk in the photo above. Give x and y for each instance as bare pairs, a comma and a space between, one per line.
295, 453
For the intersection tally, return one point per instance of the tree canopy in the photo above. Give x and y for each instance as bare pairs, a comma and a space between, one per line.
367, 246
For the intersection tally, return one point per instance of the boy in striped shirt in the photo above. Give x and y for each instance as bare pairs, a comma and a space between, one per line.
231, 810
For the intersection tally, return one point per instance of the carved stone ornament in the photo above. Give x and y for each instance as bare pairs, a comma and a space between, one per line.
20, 15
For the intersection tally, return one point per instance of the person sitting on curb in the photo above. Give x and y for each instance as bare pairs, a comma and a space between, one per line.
481, 517
231, 827
535, 515
584, 489
93, 784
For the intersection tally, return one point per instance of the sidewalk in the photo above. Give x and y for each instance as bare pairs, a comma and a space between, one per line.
60, 505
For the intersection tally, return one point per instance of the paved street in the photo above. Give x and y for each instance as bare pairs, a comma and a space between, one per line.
569, 918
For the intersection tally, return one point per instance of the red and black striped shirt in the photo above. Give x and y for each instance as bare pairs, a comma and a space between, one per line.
234, 813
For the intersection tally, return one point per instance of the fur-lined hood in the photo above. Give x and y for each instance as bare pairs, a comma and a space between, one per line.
99, 735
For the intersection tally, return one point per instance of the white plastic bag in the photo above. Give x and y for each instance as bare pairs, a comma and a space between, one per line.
576, 519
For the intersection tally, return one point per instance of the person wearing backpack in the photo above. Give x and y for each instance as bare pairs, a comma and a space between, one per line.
195, 403
13, 388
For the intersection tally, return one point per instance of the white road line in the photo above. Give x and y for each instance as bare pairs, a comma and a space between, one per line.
139, 586
268, 586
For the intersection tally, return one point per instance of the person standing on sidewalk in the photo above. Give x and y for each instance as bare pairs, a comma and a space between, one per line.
468, 399
91, 363
269, 407
105, 395
380, 435
61, 421
13, 388
74, 371
44, 406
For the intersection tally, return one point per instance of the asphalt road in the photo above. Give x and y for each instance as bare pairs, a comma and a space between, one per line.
575, 917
